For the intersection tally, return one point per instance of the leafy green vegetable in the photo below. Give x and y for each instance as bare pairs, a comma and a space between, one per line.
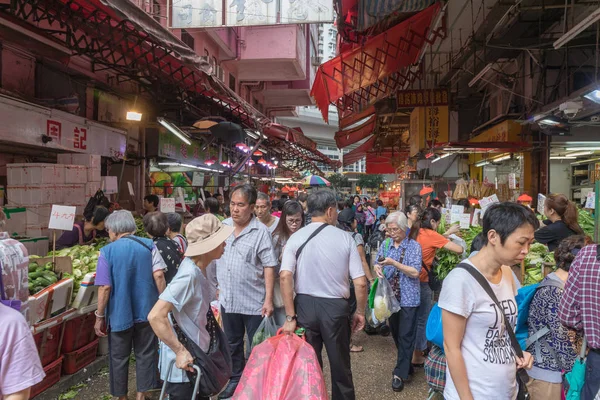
586, 222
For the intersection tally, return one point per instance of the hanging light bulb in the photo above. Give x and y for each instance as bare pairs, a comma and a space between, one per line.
210, 161
226, 164
242, 146
257, 153
262, 161
250, 162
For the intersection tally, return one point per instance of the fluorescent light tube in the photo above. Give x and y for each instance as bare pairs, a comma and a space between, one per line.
480, 75
482, 163
501, 158
440, 157
594, 96
582, 148
563, 158
577, 29
174, 130
580, 153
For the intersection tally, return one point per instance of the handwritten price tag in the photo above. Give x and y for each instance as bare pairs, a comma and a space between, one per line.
541, 203
167, 205
62, 218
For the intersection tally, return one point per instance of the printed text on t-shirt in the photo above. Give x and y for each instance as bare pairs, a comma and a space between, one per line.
498, 348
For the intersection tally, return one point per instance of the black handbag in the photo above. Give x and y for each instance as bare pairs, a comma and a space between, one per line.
522, 376
434, 283
215, 365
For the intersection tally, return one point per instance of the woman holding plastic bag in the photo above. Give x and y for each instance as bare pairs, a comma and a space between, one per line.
183, 311
399, 259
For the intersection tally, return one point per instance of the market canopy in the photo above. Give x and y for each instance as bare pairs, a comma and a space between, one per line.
117, 35
344, 138
370, 64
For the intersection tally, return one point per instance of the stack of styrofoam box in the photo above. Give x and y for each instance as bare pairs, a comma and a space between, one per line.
92, 182
35, 187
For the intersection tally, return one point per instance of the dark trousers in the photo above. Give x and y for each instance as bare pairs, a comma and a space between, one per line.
236, 326
591, 387
327, 322
145, 346
404, 330
182, 391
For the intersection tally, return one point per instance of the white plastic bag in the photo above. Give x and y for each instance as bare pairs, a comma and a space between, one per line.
384, 303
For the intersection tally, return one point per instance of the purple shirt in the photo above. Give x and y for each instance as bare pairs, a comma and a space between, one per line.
20, 366
581, 299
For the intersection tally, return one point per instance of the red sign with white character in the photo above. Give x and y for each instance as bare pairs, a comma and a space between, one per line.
53, 129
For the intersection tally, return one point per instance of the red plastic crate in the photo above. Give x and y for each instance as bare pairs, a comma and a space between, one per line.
78, 359
52, 377
48, 343
79, 332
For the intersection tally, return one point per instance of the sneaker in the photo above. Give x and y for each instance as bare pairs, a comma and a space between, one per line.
397, 384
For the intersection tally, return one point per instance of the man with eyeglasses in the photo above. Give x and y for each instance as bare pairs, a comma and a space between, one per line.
262, 209
317, 264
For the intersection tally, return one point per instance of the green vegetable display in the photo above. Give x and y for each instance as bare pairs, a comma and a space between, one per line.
140, 231
586, 221
447, 260
85, 260
534, 263
40, 276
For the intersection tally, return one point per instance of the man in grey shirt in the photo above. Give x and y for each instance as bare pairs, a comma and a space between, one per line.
246, 278
319, 271
263, 212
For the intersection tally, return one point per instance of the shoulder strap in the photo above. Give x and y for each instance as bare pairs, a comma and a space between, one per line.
486, 286
354, 235
424, 266
312, 235
139, 241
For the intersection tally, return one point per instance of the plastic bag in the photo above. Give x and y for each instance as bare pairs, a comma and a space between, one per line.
266, 329
382, 301
461, 191
284, 367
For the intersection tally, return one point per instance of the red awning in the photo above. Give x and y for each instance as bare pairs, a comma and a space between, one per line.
359, 152
347, 137
381, 162
377, 59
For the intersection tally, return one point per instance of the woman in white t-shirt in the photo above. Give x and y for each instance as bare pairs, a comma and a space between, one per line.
481, 363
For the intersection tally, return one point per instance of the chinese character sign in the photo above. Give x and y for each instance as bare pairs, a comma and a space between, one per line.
53, 129
422, 98
62, 218
79, 138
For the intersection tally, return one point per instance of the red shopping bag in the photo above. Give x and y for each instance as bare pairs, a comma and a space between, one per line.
284, 367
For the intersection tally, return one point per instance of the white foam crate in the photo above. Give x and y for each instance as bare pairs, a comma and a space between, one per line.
79, 208
16, 220
38, 246
91, 188
40, 230
75, 174
34, 174
73, 194
93, 174
38, 215
88, 160
33, 195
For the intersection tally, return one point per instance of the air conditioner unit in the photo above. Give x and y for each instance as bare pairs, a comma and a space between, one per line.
316, 61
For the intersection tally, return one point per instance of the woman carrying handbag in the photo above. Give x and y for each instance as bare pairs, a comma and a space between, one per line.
183, 321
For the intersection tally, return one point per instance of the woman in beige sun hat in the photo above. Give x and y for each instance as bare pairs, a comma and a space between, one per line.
187, 296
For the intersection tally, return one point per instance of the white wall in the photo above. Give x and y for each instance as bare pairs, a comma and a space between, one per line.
560, 176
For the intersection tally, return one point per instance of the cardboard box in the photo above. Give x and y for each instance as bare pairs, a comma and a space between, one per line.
34, 174
87, 160
73, 195
75, 174
16, 221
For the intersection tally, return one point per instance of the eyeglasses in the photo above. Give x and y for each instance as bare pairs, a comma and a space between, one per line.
294, 221
393, 230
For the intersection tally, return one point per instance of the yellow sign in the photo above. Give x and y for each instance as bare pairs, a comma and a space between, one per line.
428, 125
507, 131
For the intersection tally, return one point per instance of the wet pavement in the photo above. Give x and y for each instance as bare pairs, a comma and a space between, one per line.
372, 370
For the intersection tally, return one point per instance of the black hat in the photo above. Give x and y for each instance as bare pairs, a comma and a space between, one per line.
346, 216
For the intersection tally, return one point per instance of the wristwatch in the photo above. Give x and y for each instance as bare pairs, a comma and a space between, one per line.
290, 318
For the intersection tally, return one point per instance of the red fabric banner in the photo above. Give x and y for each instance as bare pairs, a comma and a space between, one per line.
359, 152
351, 136
378, 58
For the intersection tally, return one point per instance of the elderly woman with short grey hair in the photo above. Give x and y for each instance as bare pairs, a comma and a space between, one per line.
401, 264
128, 289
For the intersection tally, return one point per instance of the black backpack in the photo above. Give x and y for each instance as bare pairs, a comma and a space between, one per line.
171, 255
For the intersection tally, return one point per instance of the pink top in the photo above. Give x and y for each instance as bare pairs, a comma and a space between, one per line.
14, 270
20, 366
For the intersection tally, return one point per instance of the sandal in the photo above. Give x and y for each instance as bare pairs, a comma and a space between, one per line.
356, 349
